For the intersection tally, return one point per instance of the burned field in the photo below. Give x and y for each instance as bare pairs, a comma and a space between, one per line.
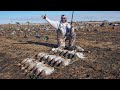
103, 62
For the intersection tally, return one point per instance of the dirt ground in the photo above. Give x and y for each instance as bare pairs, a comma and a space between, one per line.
103, 62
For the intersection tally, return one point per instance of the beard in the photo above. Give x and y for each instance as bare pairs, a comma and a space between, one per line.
63, 21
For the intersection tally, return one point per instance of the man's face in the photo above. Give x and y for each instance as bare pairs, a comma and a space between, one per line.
63, 19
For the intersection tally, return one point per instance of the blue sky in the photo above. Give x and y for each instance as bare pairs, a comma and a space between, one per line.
35, 16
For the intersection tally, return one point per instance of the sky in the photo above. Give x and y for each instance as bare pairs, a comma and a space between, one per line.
35, 16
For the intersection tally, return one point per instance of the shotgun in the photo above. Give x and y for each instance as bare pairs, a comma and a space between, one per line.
71, 30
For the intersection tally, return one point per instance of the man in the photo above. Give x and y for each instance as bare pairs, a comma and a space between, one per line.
63, 29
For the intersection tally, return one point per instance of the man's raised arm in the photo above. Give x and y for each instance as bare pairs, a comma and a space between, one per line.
55, 24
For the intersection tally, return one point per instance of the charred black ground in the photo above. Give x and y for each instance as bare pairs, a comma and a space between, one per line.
103, 62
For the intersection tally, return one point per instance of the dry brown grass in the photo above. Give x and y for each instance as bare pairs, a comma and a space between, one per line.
102, 62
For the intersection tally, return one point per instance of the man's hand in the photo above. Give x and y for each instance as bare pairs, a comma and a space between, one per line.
43, 16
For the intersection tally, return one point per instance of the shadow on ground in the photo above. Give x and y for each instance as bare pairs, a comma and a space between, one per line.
39, 43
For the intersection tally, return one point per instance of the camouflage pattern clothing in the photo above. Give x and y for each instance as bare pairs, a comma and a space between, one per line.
63, 33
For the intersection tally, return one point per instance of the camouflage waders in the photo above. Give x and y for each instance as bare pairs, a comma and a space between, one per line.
61, 39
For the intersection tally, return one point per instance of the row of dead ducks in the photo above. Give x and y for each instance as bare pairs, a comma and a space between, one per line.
45, 64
